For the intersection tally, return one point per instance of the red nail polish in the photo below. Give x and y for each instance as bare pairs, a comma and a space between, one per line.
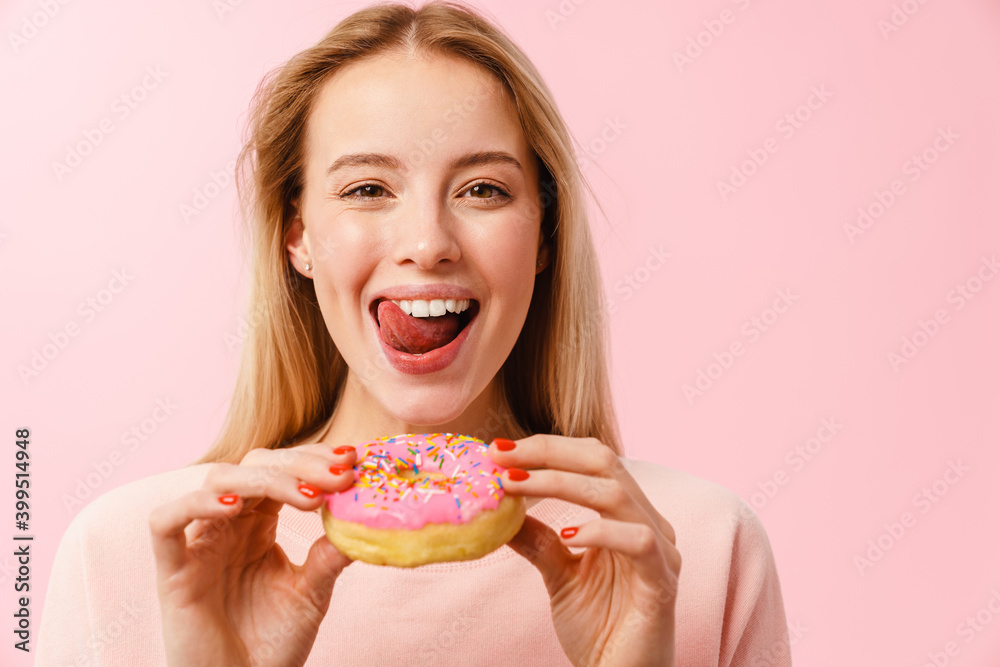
338, 470
229, 499
345, 449
567, 533
308, 490
517, 475
504, 445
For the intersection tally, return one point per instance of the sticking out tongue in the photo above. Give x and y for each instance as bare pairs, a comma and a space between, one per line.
415, 335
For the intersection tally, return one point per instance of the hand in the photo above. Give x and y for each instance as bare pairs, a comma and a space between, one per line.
228, 593
612, 604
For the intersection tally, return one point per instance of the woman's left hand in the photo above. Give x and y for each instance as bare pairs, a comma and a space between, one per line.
612, 604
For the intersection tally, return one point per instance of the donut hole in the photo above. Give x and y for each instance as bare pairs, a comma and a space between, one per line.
408, 473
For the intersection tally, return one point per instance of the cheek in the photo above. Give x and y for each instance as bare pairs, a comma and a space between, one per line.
345, 257
506, 257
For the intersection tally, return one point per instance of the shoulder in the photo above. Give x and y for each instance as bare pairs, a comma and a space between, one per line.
130, 504
698, 508
730, 598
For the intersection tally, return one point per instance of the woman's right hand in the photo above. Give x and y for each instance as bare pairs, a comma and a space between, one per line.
228, 593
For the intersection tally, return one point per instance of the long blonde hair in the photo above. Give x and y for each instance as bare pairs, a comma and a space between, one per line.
291, 374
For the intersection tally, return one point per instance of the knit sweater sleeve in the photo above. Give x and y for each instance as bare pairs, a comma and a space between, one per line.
754, 627
65, 633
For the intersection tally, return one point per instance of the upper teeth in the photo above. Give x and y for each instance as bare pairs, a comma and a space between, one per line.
432, 308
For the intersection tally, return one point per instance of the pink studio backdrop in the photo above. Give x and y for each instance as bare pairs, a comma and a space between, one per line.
800, 260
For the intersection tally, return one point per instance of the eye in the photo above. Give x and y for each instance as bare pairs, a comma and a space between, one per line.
368, 190
482, 190
488, 193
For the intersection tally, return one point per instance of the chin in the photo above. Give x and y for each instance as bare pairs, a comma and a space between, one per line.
425, 408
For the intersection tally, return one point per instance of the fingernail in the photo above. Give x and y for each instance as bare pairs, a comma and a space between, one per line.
567, 533
517, 475
308, 490
345, 449
229, 499
338, 470
504, 445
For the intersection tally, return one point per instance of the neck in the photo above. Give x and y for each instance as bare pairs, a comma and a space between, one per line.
359, 417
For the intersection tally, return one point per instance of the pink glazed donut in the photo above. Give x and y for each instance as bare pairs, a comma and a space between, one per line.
421, 499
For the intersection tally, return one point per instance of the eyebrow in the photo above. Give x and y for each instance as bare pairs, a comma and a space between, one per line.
389, 162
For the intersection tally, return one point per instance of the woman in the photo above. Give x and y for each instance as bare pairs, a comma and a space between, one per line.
416, 156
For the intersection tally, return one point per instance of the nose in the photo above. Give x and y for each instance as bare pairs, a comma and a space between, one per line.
425, 234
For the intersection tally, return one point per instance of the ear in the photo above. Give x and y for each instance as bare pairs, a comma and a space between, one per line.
542, 256
298, 245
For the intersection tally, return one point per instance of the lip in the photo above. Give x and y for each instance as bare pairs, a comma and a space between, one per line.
436, 359
428, 291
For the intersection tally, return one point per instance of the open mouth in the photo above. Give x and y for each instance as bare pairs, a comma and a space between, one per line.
409, 327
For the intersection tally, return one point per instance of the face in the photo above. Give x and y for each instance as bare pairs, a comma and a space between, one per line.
419, 189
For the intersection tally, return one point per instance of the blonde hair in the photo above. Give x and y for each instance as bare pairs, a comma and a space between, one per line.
291, 374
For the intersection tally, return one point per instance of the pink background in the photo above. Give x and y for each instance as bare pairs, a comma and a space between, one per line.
657, 137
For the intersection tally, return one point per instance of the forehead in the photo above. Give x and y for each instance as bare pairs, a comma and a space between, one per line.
412, 106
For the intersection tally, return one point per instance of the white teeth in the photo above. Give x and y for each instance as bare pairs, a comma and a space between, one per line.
432, 308
420, 308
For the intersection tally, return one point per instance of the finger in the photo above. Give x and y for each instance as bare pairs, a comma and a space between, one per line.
609, 497
167, 523
318, 465
273, 485
541, 547
323, 565
655, 559
586, 456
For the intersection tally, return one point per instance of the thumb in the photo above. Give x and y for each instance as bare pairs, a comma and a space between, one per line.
540, 545
323, 565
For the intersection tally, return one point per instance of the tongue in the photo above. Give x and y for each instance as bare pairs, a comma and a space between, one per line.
415, 335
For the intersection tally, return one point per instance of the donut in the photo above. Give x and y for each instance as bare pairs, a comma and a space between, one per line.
422, 498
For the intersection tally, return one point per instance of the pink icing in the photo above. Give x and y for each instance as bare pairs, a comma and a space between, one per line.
384, 497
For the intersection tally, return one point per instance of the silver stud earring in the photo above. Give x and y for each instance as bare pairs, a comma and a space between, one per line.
308, 267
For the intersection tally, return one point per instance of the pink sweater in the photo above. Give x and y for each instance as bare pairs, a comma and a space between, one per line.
102, 609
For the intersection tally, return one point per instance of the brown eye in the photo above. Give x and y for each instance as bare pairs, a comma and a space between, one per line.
368, 191
488, 194
481, 189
